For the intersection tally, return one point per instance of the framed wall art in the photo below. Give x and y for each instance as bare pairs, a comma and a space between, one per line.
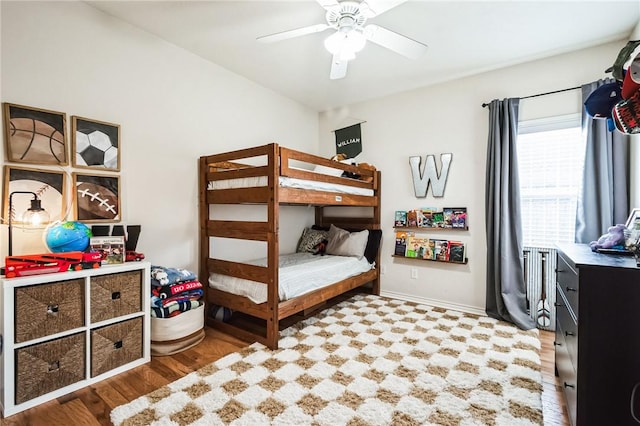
49, 186
34, 135
633, 221
96, 198
95, 144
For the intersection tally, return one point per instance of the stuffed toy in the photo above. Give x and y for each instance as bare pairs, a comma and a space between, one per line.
321, 248
613, 237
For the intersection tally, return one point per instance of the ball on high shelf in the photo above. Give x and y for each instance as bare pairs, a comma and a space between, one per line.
68, 236
220, 313
96, 149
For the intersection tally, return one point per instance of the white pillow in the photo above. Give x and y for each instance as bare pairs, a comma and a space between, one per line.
330, 170
345, 243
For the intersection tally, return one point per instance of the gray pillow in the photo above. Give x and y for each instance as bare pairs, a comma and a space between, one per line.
310, 239
345, 243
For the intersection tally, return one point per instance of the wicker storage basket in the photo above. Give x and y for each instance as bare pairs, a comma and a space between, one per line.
171, 347
115, 295
45, 309
115, 345
48, 366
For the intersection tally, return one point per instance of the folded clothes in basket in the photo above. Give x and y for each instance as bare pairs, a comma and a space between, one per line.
161, 276
184, 296
170, 290
175, 308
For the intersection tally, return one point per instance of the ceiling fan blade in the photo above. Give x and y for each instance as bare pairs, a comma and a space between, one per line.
327, 4
293, 33
376, 7
393, 41
338, 68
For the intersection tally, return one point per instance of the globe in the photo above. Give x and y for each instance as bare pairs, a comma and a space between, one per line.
68, 236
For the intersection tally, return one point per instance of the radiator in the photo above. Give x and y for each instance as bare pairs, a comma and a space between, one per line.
540, 280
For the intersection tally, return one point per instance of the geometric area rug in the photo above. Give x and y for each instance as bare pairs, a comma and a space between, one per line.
368, 360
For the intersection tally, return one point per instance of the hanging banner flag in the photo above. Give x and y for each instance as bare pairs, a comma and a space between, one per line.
349, 141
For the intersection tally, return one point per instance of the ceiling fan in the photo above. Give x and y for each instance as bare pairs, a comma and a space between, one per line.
348, 19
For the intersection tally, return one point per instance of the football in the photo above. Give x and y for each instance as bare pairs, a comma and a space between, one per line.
96, 202
96, 149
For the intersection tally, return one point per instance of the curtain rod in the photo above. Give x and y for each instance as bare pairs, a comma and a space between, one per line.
542, 94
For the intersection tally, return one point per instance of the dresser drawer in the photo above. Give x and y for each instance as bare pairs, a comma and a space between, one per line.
46, 309
567, 279
115, 345
566, 326
567, 375
115, 295
48, 366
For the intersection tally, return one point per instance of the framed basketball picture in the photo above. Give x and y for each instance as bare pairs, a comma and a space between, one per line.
34, 135
50, 187
95, 144
96, 198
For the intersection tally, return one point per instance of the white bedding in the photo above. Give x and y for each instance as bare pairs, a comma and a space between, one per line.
288, 182
299, 273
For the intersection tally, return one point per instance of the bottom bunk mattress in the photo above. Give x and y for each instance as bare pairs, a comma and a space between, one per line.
299, 273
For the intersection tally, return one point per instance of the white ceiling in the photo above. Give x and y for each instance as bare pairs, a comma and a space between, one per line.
464, 38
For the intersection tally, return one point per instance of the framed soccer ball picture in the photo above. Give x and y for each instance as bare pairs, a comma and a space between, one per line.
95, 144
34, 135
96, 198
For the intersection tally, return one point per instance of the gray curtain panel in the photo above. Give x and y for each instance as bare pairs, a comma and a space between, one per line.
604, 200
506, 291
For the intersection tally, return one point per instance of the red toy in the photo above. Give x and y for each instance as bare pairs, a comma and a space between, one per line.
131, 256
35, 264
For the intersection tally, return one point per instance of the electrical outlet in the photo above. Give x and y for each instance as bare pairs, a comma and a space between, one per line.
414, 274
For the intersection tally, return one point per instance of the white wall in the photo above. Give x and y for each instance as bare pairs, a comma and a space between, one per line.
172, 107
449, 118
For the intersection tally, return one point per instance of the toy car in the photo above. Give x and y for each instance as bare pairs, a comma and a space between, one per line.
132, 256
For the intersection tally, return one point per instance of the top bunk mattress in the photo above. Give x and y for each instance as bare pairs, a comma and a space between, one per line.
299, 273
288, 182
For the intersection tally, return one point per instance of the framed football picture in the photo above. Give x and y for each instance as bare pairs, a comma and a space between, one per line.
95, 144
34, 135
96, 198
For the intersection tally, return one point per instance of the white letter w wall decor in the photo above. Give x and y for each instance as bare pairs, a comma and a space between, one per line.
429, 173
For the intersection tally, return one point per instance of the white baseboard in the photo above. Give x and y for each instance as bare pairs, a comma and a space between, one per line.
433, 302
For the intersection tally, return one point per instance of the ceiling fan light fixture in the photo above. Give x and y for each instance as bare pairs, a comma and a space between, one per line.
345, 44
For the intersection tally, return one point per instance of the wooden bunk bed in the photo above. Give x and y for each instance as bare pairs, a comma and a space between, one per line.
275, 163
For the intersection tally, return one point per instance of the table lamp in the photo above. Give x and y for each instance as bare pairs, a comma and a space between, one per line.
34, 216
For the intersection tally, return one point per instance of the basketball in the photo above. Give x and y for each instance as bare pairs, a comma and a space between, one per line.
96, 202
35, 141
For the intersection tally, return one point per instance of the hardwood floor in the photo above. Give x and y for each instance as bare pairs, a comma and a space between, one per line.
92, 405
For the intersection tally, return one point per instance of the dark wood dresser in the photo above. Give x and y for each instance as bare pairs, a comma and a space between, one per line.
598, 336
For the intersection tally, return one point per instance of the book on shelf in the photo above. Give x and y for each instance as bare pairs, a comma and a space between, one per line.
418, 247
401, 243
401, 219
457, 251
409, 249
425, 218
447, 217
441, 251
438, 219
459, 217
412, 218
111, 249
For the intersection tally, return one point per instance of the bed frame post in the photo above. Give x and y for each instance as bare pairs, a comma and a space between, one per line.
273, 216
376, 220
203, 214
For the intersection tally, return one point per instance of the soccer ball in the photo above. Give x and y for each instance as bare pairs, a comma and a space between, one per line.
96, 149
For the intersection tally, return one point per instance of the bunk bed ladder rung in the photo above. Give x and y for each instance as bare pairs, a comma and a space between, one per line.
256, 231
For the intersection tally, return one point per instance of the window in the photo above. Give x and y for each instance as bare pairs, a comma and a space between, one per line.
550, 162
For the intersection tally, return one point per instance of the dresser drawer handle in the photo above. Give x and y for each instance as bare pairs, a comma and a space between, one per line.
569, 333
53, 309
567, 385
557, 344
115, 295
117, 345
571, 289
54, 366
